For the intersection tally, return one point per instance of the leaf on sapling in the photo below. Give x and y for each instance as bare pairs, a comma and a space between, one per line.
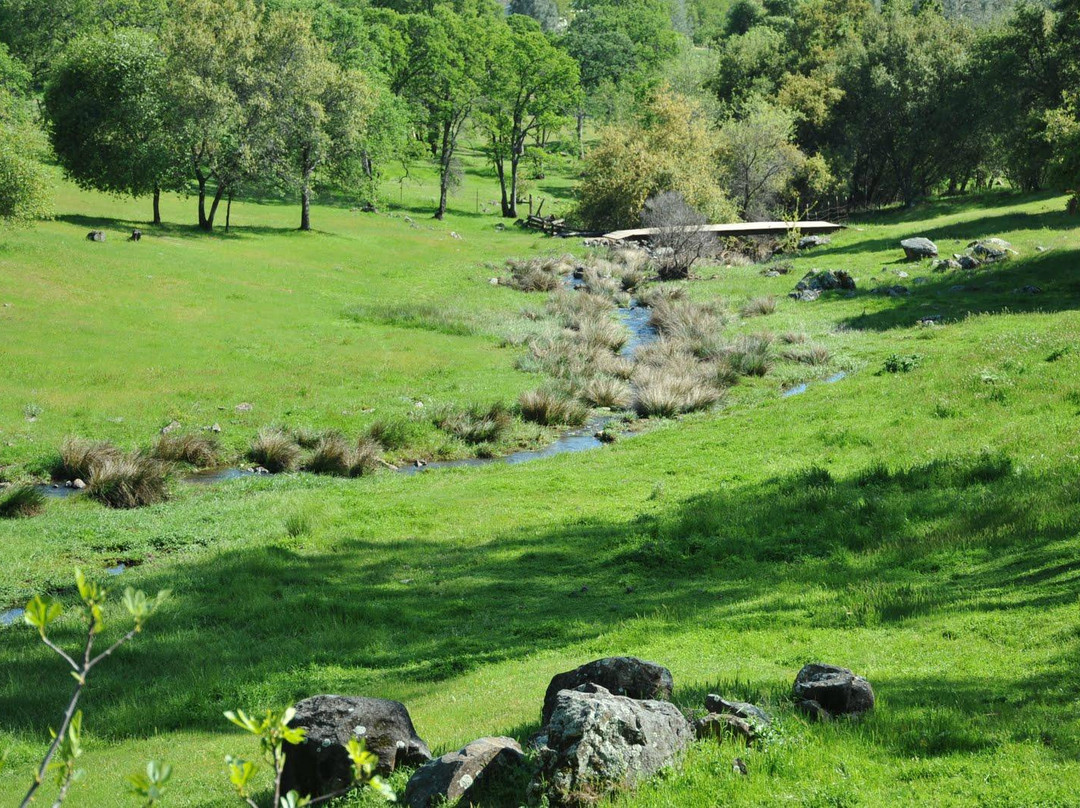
150, 785
294, 800
41, 611
241, 773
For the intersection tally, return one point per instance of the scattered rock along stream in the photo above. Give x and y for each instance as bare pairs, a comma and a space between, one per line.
578, 439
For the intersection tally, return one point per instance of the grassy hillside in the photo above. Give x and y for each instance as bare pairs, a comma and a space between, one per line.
921, 528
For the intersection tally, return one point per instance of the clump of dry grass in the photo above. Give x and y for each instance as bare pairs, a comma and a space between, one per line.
194, 448
275, 450
750, 355
633, 278
304, 436
759, 306
20, 502
573, 308
541, 274
793, 338
129, 481
607, 391
552, 408
671, 390
695, 326
810, 355
333, 455
78, 458
661, 293
392, 433
477, 424
367, 458
600, 281
602, 332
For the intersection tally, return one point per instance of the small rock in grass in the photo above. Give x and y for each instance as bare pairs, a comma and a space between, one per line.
171, 427
743, 709
1029, 290
918, 248
96, 235
725, 725
488, 771
837, 690
78, 484
245, 407
738, 766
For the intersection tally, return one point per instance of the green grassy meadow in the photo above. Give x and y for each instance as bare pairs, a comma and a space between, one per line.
922, 528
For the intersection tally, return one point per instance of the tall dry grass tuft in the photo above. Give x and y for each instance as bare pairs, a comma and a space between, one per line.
552, 408
367, 459
601, 332
671, 390
750, 355
78, 458
275, 450
573, 308
129, 481
759, 307
607, 391
333, 455
194, 448
541, 274
477, 424
815, 355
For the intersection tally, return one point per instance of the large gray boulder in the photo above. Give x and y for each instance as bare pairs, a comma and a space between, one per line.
833, 689
597, 742
490, 771
916, 249
818, 280
321, 765
989, 250
623, 676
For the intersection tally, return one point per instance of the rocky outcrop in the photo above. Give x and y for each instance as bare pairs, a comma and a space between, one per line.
833, 690
742, 709
623, 676
725, 725
490, 771
597, 742
807, 242
915, 249
321, 765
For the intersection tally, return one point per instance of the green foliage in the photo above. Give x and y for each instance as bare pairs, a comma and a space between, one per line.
24, 188
107, 104
669, 148
895, 363
149, 787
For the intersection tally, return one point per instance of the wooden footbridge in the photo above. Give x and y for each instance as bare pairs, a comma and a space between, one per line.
734, 230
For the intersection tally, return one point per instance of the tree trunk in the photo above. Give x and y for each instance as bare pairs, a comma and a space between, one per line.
512, 213
581, 134
444, 172
228, 213
208, 223
305, 200
157, 205
202, 202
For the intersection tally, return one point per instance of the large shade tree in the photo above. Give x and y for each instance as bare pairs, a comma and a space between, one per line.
107, 106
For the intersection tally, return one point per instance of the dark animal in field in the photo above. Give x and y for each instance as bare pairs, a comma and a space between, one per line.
136, 235
95, 235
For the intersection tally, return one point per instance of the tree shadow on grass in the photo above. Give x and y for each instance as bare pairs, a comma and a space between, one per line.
885, 547
236, 232
1042, 283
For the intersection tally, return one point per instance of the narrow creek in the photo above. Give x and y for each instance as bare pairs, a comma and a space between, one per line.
578, 439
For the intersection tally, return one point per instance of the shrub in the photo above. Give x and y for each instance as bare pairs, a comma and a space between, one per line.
759, 306
895, 363
810, 355
332, 455
605, 391
193, 448
129, 481
275, 450
79, 458
392, 433
21, 501
552, 408
681, 237
367, 459
477, 424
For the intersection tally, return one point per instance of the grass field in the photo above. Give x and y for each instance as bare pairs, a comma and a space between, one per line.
922, 528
